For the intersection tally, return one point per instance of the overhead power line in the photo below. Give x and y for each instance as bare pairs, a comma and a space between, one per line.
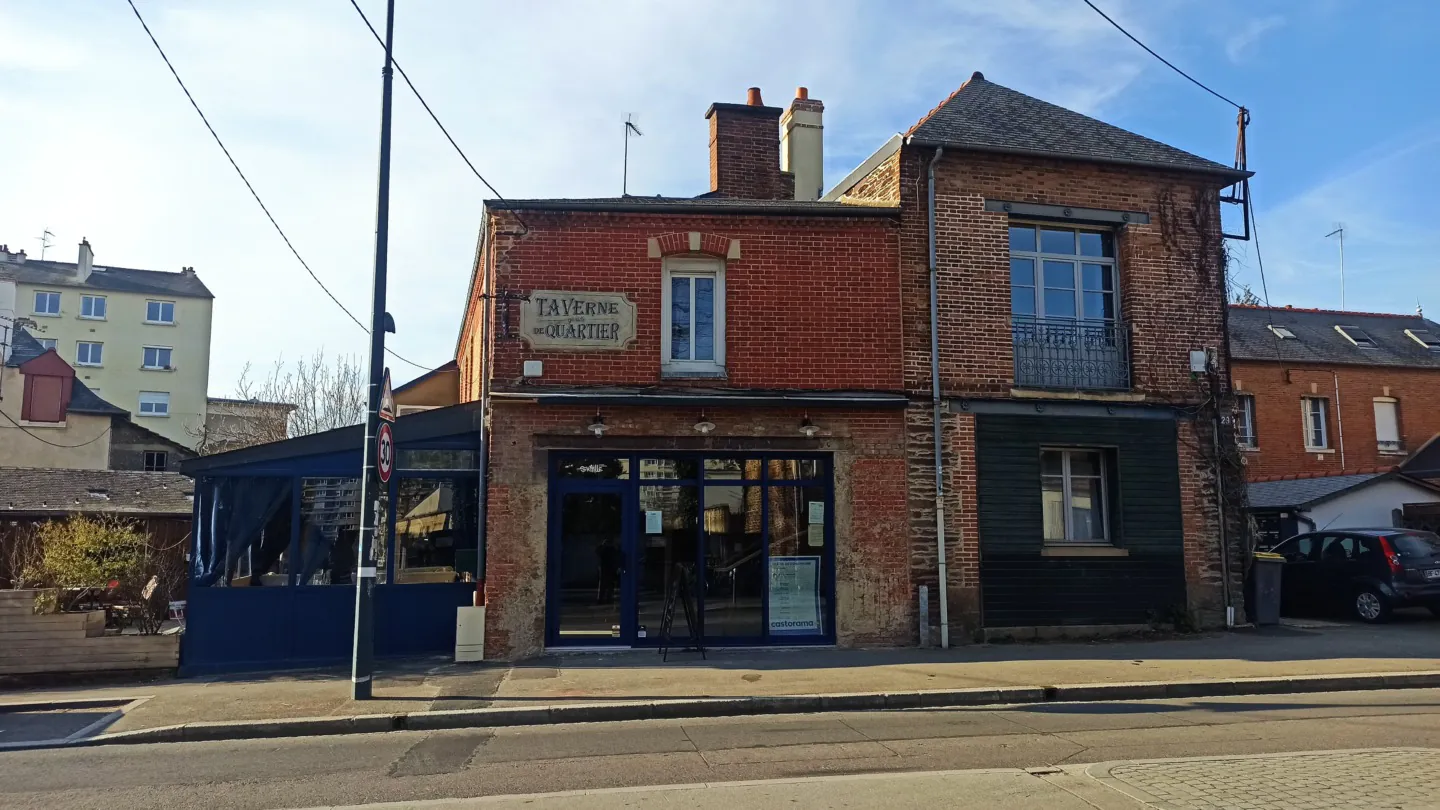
433, 116
1167, 62
251, 188
17, 426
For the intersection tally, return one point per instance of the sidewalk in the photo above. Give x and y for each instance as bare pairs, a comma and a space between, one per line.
853, 679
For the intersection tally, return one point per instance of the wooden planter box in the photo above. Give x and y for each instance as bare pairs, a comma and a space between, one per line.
72, 642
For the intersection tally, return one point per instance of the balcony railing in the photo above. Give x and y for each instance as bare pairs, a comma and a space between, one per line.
1068, 354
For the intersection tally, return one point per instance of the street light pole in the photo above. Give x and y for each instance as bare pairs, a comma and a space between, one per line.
362, 664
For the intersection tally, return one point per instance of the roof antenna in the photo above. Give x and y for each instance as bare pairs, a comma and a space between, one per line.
44, 240
1340, 229
1419, 310
625, 170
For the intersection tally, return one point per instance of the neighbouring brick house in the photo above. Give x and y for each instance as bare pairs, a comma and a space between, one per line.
1331, 393
1078, 267
706, 390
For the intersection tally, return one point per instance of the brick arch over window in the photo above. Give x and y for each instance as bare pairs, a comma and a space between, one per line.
684, 242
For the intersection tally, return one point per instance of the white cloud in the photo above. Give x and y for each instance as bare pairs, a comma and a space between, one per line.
1238, 46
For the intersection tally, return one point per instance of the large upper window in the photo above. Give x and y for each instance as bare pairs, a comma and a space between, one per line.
47, 303
160, 312
1062, 273
1245, 420
1073, 496
1314, 411
693, 332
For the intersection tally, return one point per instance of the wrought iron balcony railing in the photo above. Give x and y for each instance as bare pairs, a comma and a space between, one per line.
1069, 354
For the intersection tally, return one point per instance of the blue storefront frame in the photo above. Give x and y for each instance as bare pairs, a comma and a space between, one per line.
629, 487
290, 625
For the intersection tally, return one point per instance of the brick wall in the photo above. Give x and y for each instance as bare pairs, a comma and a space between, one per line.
1278, 390
873, 587
809, 303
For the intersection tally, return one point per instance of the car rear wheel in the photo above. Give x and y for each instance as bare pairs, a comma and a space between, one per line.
1370, 606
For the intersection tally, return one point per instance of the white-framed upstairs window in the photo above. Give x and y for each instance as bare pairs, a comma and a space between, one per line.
160, 312
46, 343
1074, 496
1387, 425
692, 332
156, 358
1245, 421
89, 353
47, 304
92, 307
154, 403
1315, 413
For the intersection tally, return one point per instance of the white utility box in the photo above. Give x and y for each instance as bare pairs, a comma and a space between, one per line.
470, 634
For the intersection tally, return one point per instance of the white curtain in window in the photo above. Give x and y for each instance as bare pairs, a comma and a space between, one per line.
1387, 425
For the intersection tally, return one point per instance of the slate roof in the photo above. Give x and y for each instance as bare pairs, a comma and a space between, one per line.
988, 117
1425, 461
105, 277
1304, 491
697, 205
25, 348
1316, 340
52, 491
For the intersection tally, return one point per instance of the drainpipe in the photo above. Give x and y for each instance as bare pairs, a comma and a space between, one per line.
1224, 535
938, 406
1339, 420
484, 446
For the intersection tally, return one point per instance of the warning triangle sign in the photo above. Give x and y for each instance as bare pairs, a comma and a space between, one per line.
387, 400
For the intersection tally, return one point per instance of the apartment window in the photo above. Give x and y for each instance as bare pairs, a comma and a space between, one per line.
1356, 336
1315, 411
157, 357
160, 312
47, 303
89, 354
693, 306
1245, 420
1387, 425
1073, 496
1062, 273
46, 343
154, 403
156, 461
92, 306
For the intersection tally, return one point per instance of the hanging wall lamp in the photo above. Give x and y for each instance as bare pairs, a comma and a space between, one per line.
704, 426
598, 426
808, 428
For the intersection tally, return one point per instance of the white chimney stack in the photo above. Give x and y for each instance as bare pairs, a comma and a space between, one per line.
802, 151
86, 262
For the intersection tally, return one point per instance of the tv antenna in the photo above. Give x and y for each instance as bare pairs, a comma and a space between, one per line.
44, 240
625, 168
1340, 230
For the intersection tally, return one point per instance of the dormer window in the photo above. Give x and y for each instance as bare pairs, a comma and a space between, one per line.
1282, 332
1356, 336
1425, 338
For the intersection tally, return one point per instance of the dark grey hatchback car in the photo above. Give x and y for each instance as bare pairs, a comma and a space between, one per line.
1364, 572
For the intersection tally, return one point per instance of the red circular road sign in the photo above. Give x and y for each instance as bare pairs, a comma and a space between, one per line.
385, 452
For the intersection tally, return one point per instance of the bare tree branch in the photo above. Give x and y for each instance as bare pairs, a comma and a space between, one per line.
309, 395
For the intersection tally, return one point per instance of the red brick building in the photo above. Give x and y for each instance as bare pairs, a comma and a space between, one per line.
1329, 393
697, 407
1071, 270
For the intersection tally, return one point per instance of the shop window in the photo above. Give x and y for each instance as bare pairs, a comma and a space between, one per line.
652, 469
1073, 492
245, 533
330, 532
734, 577
668, 521
600, 467
732, 469
435, 535
791, 469
798, 520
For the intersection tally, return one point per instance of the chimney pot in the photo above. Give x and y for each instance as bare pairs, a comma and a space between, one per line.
752, 97
802, 92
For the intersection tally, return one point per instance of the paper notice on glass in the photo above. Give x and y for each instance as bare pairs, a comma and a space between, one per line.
654, 521
794, 598
817, 511
815, 536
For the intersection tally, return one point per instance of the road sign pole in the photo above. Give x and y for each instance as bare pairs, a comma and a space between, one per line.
362, 670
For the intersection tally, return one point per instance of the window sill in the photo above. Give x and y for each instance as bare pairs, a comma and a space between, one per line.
89, 318
693, 374
1319, 450
157, 368
89, 365
154, 415
25, 423
1057, 550
46, 314
159, 323
1248, 448
1400, 453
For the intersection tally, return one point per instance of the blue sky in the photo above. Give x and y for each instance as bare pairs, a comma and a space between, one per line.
100, 142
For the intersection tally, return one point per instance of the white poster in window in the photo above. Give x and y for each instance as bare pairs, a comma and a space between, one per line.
815, 536
794, 596
654, 521
817, 511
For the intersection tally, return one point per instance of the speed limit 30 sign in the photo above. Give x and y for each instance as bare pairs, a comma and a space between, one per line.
385, 452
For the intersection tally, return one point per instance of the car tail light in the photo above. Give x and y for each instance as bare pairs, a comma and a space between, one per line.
1391, 557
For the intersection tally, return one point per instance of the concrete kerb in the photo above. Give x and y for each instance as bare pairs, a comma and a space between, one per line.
66, 704
742, 706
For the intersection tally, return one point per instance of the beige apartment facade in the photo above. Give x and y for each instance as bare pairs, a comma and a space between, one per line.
138, 338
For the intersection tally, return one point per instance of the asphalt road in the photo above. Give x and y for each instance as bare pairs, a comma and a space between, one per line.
411, 766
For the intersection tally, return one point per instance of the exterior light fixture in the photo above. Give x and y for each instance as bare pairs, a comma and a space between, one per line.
598, 427
704, 426
808, 428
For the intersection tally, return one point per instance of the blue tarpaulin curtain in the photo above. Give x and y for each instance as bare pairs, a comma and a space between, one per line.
240, 510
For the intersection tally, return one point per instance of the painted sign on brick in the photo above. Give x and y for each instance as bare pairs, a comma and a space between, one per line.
577, 321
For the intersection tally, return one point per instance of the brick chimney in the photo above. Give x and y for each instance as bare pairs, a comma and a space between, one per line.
802, 151
745, 151
86, 262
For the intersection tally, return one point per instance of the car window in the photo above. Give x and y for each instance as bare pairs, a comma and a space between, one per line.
1416, 544
1298, 549
1370, 550
1337, 549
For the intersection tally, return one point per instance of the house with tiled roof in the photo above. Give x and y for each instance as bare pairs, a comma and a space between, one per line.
141, 338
